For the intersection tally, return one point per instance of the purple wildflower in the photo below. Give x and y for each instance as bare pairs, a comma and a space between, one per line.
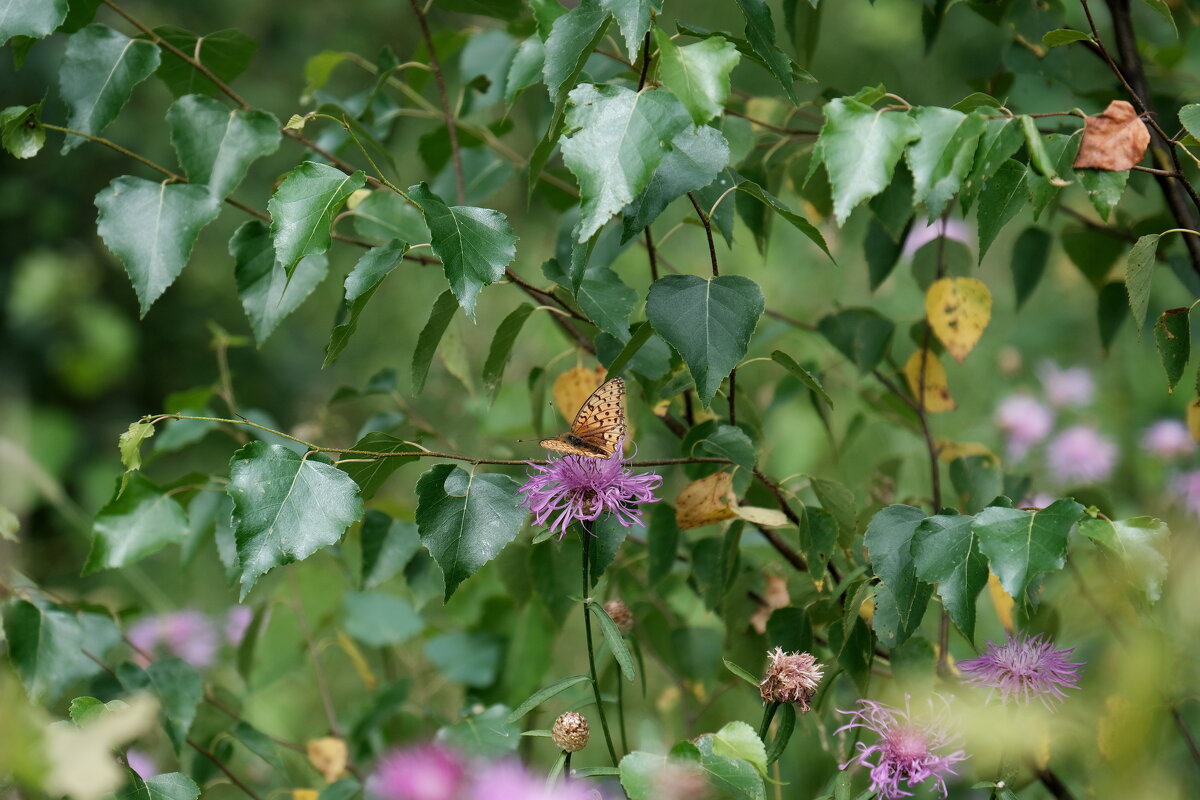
1168, 439
187, 634
237, 622
907, 749
1186, 487
1081, 453
1073, 386
575, 488
141, 763
1025, 421
509, 779
1022, 668
423, 772
925, 232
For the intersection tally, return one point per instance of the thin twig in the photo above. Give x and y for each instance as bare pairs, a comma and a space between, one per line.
652, 254
460, 188
712, 248
234, 779
322, 686
645, 61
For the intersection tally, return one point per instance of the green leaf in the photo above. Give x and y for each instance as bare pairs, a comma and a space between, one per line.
881, 250
640, 334
860, 148
787, 724
697, 156
1163, 10
370, 475
470, 657
485, 735
801, 374
1103, 188
151, 227
474, 244
612, 635
99, 70
45, 645
708, 321
387, 547
1189, 118
21, 130
1142, 543
1061, 36
760, 31
502, 346
1001, 139
1139, 274
888, 541
697, 74
166, 786
216, 144
1039, 156
344, 789
1000, 199
945, 552
1060, 149
130, 444
525, 70
838, 500
374, 265
1019, 544
797, 221
663, 542
1172, 334
633, 17
741, 673
860, 334
466, 519
285, 507
640, 773
138, 521
439, 317
226, 53
941, 158
738, 740
1110, 312
85, 709
733, 777
731, 442
572, 39
544, 694
1029, 256
384, 215
380, 619
978, 480
180, 691
32, 18
607, 301
619, 138
303, 207
267, 293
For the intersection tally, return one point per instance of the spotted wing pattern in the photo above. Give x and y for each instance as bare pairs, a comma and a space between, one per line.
599, 425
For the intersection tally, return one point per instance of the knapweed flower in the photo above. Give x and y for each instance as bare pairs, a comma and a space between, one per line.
790, 678
1080, 453
1023, 668
1187, 488
1168, 439
578, 489
570, 732
422, 772
910, 751
509, 779
187, 634
1024, 421
1073, 386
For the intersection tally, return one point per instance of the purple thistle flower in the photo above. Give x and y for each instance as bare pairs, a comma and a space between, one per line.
237, 622
1022, 668
906, 750
505, 780
187, 634
577, 489
423, 772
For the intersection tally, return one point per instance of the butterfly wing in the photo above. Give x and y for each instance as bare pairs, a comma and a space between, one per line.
598, 427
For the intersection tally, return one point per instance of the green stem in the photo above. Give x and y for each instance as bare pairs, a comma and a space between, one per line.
621, 713
587, 628
768, 715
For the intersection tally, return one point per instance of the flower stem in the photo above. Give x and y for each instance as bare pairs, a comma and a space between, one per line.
768, 714
587, 628
621, 713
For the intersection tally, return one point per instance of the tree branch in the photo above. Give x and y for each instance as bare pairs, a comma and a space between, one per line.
451, 125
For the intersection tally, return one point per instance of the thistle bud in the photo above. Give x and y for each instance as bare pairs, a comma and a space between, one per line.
570, 732
620, 614
790, 678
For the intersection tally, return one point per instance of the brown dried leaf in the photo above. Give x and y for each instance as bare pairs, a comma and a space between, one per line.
1114, 141
574, 387
764, 517
706, 501
329, 756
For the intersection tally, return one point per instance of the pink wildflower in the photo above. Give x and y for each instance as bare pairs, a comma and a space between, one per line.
1168, 439
1081, 453
1025, 421
1073, 386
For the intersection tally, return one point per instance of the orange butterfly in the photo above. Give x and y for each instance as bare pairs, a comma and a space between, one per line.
599, 425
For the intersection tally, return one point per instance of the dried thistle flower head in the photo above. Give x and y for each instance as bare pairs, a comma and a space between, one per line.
620, 614
790, 678
570, 732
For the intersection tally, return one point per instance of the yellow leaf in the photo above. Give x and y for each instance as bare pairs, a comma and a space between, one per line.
1193, 419
370, 682
766, 517
948, 450
1002, 602
706, 501
574, 387
958, 310
328, 755
867, 610
305, 794
936, 395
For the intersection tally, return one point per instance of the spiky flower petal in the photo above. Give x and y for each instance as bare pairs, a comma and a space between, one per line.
790, 678
1024, 668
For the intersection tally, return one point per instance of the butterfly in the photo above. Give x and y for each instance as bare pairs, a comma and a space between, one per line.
599, 425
